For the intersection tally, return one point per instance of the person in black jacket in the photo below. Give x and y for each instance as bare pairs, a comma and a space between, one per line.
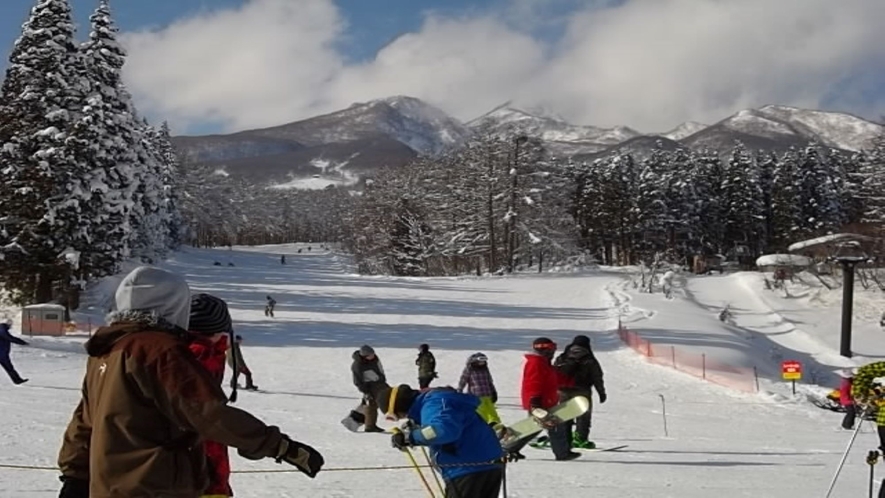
579, 363
6, 341
369, 378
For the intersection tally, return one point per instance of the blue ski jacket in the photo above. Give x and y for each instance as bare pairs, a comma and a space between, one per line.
447, 422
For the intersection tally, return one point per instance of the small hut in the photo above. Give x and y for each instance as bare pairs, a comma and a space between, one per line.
43, 319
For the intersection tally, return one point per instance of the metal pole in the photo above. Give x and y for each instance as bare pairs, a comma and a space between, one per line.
847, 305
664, 413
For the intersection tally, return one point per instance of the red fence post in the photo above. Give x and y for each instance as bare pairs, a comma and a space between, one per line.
673, 355
756, 376
704, 365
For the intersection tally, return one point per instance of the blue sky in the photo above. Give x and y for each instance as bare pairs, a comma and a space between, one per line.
227, 65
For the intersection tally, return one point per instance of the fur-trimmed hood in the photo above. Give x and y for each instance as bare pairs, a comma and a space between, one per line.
124, 323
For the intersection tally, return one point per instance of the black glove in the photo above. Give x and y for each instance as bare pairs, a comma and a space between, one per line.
495, 397
602, 397
73, 488
400, 440
303, 457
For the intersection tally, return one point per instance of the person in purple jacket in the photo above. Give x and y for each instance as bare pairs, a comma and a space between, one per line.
6, 341
478, 381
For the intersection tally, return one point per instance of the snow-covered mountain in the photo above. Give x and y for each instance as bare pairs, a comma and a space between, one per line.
562, 138
686, 129
395, 130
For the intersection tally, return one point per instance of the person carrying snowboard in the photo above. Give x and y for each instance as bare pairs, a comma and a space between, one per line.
268, 308
6, 342
210, 324
370, 380
579, 364
477, 378
426, 366
464, 448
541, 382
238, 365
147, 404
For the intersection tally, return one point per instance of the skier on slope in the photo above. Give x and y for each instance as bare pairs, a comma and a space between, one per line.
579, 363
268, 308
238, 364
541, 383
147, 403
211, 326
370, 380
477, 378
465, 449
6, 342
426, 366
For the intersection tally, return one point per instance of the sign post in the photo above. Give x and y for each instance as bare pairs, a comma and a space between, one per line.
792, 371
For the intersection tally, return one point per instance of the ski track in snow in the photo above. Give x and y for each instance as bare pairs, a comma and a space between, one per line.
721, 443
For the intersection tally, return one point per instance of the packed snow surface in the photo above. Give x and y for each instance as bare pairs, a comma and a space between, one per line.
719, 442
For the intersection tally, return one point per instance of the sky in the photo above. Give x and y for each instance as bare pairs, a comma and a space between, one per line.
211, 66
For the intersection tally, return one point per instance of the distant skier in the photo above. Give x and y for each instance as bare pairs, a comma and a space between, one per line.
370, 380
426, 366
579, 363
6, 342
477, 378
846, 400
540, 389
238, 364
283, 259
268, 308
466, 450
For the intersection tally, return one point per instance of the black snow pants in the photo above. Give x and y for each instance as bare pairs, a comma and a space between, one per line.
6, 363
485, 484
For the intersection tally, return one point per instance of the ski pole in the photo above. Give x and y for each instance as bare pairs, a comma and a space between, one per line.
664, 413
433, 471
414, 463
844, 457
872, 458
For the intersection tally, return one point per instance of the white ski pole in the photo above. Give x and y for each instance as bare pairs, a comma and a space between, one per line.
845, 455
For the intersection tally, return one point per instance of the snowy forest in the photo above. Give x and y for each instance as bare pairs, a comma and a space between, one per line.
502, 204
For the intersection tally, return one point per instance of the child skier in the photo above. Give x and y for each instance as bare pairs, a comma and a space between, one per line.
846, 400
370, 380
465, 450
861, 392
268, 308
426, 366
478, 381
6, 341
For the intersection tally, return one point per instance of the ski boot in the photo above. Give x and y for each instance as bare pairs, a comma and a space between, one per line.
584, 444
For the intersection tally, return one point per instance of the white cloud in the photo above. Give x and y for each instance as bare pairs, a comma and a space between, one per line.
649, 64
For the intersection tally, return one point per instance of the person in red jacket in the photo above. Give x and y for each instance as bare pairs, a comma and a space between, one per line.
211, 326
540, 389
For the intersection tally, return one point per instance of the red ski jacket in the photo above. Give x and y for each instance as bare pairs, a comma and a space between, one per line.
540, 379
212, 356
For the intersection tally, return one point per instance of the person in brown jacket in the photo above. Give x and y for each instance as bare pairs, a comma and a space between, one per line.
147, 404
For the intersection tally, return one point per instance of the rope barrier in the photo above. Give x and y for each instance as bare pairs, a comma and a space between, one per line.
292, 470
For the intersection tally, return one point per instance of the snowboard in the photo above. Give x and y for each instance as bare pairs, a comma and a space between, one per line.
355, 419
546, 446
520, 433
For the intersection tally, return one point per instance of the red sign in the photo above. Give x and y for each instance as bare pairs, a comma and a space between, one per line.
791, 370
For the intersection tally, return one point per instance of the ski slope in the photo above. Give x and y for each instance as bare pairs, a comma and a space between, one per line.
718, 442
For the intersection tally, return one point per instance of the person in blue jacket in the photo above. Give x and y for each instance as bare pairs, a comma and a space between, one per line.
464, 448
6, 341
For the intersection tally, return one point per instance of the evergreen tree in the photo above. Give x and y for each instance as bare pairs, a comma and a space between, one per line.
869, 184
41, 192
742, 201
819, 186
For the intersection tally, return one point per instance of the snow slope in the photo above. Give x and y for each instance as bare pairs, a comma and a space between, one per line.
719, 443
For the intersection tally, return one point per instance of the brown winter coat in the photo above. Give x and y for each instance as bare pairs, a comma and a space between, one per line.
146, 405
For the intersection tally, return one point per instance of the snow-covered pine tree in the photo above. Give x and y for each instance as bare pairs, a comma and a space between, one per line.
149, 216
41, 194
743, 201
106, 137
707, 177
171, 173
652, 210
869, 184
767, 163
785, 201
683, 216
819, 186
